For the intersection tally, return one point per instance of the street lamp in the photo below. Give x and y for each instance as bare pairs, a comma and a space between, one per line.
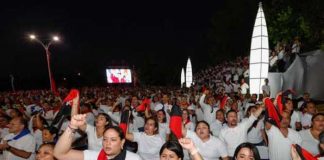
46, 47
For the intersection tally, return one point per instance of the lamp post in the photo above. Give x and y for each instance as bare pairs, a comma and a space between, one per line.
46, 47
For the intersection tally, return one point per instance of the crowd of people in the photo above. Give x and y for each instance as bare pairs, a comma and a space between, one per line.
214, 124
283, 55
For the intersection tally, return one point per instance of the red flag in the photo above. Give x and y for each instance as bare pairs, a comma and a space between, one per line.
124, 121
176, 122
223, 102
102, 155
144, 105
271, 114
281, 99
304, 154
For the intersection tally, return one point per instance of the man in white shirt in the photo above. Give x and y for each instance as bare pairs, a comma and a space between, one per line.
281, 139
266, 88
19, 144
236, 133
311, 137
306, 118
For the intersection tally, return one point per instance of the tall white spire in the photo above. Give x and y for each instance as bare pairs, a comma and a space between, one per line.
188, 73
183, 80
259, 53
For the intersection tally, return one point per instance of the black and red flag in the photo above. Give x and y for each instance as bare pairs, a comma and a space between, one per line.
65, 109
124, 121
304, 154
175, 123
271, 113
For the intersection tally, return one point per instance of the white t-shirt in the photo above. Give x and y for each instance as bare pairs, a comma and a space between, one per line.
164, 130
244, 88
105, 108
90, 118
236, 87
216, 127
306, 120
3, 132
209, 113
190, 126
94, 143
273, 60
228, 88
279, 146
255, 134
148, 146
212, 149
295, 117
266, 89
199, 114
233, 137
93, 155
309, 142
138, 121
25, 143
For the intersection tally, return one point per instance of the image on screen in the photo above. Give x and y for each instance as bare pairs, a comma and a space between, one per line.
119, 75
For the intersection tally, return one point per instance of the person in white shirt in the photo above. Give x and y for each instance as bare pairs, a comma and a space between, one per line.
45, 152
295, 120
113, 144
281, 139
210, 147
236, 86
246, 151
95, 131
149, 141
208, 109
19, 144
256, 134
189, 125
244, 87
172, 150
236, 133
4, 130
228, 87
273, 60
219, 124
164, 130
310, 137
306, 118
305, 99
266, 88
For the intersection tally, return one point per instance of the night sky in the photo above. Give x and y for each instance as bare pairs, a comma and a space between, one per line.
96, 35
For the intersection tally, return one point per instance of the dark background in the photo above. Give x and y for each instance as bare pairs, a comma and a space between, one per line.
156, 37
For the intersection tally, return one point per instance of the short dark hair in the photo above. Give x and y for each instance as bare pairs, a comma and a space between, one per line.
23, 121
173, 146
108, 119
120, 132
250, 146
230, 112
204, 122
316, 115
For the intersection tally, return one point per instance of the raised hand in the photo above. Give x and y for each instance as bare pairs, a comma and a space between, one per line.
187, 144
78, 120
